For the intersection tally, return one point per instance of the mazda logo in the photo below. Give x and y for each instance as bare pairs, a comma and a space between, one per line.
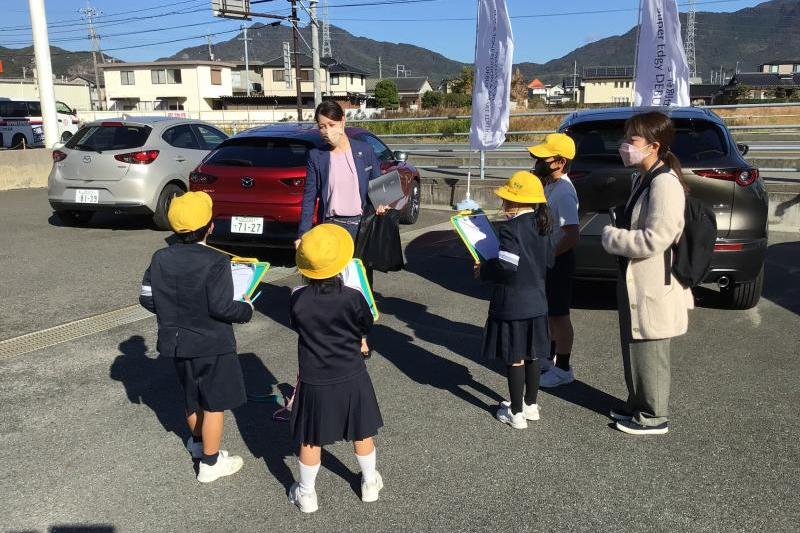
87, 159
247, 182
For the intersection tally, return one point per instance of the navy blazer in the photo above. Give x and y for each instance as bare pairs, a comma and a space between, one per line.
190, 289
368, 167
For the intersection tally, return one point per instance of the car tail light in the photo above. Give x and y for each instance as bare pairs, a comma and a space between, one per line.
742, 176
294, 182
58, 155
111, 124
735, 247
199, 177
138, 158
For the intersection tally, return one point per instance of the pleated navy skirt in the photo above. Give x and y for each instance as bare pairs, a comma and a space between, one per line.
324, 414
513, 341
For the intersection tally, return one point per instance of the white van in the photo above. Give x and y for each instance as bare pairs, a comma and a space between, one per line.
21, 123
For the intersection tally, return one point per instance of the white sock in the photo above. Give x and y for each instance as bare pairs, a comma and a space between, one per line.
308, 475
367, 464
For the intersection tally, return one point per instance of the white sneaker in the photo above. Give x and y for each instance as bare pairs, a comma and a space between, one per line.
194, 448
370, 490
555, 377
306, 502
531, 412
516, 421
225, 466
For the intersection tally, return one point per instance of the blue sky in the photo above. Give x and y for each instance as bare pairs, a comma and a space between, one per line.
543, 30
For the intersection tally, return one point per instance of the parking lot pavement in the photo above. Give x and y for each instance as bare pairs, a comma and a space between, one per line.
90, 430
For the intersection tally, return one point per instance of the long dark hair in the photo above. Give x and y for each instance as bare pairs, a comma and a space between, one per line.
329, 109
542, 217
655, 126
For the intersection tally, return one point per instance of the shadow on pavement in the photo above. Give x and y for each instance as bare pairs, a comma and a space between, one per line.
107, 220
427, 368
81, 528
584, 395
274, 303
782, 275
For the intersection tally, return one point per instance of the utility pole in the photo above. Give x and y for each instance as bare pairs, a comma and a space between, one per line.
210, 52
246, 58
295, 30
575, 82
89, 13
327, 49
44, 69
315, 52
380, 68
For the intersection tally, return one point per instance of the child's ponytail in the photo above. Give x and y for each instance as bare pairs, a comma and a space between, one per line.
544, 221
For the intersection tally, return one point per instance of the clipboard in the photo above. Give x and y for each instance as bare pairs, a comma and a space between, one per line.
247, 273
355, 276
478, 235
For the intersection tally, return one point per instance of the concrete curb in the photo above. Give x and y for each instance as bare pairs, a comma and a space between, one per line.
24, 169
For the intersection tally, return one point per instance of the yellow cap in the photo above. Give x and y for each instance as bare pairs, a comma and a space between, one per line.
524, 188
189, 211
324, 251
555, 144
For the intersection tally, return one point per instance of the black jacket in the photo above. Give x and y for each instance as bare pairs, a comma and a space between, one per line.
190, 289
330, 319
520, 271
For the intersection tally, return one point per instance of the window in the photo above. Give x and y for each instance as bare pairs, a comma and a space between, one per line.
181, 137
216, 76
277, 75
34, 109
13, 109
94, 138
334, 79
127, 77
261, 152
160, 77
61, 107
169, 104
209, 137
773, 68
380, 149
797, 68
305, 75
351, 78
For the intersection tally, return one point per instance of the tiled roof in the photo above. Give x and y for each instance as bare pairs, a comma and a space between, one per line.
766, 79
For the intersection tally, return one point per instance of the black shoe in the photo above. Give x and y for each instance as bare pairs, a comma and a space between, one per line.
632, 428
621, 414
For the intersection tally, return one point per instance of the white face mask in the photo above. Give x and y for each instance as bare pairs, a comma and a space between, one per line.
632, 155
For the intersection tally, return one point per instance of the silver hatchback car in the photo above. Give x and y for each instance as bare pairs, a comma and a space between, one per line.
129, 165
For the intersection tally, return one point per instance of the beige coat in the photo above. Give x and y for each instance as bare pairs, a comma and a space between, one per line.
658, 310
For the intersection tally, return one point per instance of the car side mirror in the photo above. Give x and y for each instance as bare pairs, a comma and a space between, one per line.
400, 155
743, 148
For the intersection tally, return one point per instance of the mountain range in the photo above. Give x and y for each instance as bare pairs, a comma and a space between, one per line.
747, 38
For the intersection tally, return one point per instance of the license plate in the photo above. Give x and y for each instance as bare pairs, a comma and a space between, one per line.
87, 196
252, 225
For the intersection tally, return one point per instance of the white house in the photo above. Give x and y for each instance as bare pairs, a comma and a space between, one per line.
176, 86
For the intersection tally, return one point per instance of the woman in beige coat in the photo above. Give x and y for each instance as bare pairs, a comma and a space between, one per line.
652, 302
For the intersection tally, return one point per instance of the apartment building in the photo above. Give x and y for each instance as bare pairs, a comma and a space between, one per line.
608, 85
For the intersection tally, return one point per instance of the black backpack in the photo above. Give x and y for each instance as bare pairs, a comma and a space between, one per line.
690, 259
693, 252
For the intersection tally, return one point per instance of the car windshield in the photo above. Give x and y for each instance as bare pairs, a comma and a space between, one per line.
255, 152
99, 138
695, 141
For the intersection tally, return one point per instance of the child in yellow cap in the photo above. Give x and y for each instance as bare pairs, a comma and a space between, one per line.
190, 289
335, 400
516, 329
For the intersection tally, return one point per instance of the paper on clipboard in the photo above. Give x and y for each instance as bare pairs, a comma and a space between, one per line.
355, 276
246, 274
478, 234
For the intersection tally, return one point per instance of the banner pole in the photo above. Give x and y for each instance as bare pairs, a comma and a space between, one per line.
636, 53
468, 202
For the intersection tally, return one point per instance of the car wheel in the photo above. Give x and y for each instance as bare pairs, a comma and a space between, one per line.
744, 295
66, 136
18, 142
411, 212
72, 218
162, 207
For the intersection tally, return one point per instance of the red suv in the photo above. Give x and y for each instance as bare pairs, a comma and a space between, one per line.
257, 178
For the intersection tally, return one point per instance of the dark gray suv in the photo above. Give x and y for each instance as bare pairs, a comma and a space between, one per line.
716, 173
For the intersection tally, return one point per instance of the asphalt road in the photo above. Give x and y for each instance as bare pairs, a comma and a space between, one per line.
90, 430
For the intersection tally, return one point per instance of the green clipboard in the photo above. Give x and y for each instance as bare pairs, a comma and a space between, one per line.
481, 250
247, 273
354, 275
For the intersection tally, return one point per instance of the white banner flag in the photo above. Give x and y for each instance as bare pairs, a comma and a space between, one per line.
662, 74
491, 99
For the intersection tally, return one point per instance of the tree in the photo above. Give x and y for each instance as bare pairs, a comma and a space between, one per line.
463, 83
386, 95
519, 89
457, 100
743, 92
432, 99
